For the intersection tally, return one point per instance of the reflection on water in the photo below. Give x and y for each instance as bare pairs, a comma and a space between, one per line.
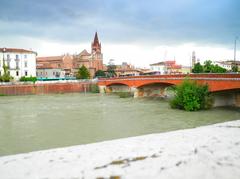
29, 123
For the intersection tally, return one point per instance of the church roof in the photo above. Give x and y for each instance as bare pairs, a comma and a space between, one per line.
96, 41
84, 53
16, 50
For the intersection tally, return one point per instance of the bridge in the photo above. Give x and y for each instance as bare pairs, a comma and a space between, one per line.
225, 87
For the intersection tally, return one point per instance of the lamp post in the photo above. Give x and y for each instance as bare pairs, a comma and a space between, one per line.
4, 50
235, 47
234, 67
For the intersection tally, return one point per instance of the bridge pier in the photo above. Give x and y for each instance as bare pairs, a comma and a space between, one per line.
134, 91
231, 98
237, 99
102, 88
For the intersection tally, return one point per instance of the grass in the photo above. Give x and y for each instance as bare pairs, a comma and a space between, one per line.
3, 94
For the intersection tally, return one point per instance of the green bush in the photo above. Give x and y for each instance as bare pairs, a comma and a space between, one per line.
94, 88
100, 73
6, 77
190, 96
208, 67
24, 78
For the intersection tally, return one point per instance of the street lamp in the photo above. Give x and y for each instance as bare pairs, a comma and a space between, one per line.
235, 48
4, 50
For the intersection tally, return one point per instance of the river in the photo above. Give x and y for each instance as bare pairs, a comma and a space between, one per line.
37, 122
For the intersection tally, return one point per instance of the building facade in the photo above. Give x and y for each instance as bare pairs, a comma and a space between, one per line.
68, 65
126, 69
20, 62
93, 61
228, 64
166, 67
55, 66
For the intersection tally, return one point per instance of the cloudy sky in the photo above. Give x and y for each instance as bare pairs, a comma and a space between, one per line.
137, 31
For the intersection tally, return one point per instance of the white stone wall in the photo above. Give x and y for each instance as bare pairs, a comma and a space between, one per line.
29, 58
159, 68
209, 152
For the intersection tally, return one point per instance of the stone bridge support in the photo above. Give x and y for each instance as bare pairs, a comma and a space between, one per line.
102, 88
237, 99
134, 91
231, 98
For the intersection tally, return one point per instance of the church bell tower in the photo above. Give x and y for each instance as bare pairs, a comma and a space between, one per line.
96, 45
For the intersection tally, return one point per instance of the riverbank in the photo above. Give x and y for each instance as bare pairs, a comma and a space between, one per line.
205, 152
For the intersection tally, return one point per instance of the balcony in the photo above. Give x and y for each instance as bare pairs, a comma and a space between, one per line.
14, 68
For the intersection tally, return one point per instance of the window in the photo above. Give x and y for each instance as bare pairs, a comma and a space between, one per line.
17, 64
25, 56
25, 64
57, 74
17, 73
54, 73
8, 57
17, 57
37, 73
59, 65
26, 73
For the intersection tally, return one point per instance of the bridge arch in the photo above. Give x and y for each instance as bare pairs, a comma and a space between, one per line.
154, 89
160, 83
117, 87
117, 83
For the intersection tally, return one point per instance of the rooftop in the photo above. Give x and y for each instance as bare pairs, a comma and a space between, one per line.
16, 50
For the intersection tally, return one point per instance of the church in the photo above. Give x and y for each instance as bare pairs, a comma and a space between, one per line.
67, 65
93, 61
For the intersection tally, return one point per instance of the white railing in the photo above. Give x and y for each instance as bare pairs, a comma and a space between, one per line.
174, 78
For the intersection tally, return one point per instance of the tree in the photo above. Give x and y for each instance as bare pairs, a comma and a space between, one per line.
207, 67
190, 96
6, 77
235, 68
100, 73
198, 68
218, 69
83, 73
111, 70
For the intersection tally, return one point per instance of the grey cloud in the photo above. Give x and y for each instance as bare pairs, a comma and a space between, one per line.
124, 21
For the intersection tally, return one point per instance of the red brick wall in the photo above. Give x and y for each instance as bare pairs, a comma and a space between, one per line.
44, 88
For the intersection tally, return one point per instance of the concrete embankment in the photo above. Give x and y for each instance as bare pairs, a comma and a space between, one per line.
45, 88
204, 152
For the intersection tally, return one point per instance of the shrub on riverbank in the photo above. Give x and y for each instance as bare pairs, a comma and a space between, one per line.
6, 77
94, 88
190, 96
24, 78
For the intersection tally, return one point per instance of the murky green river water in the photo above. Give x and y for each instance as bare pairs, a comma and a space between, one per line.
30, 123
